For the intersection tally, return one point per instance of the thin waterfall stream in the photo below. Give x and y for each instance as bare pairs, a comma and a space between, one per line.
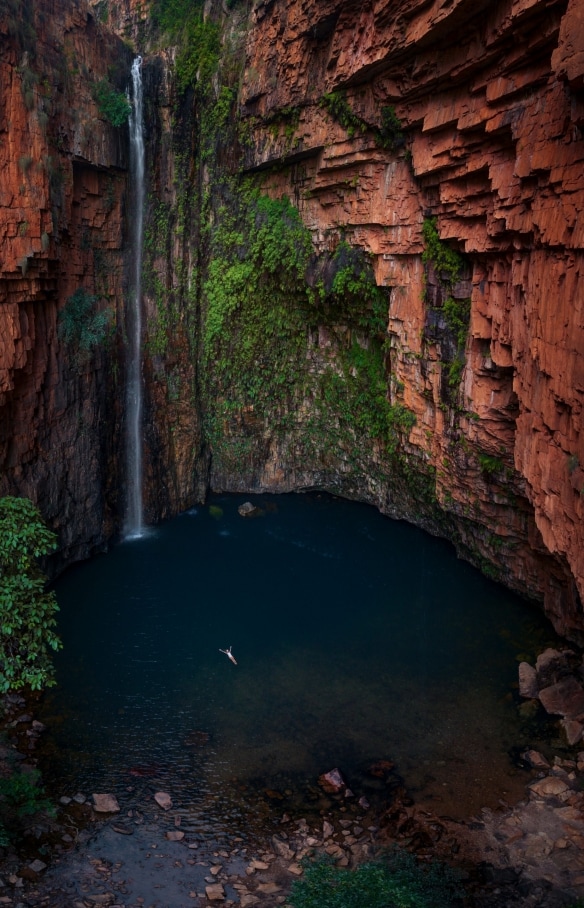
134, 525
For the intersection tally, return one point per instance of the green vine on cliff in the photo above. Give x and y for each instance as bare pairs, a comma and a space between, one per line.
389, 134
197, 38
448, 265
255, 295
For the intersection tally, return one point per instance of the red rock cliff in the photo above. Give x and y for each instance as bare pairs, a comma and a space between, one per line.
62, 189
490, 98
482, 107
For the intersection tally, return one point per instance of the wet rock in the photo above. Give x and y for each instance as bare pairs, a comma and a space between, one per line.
163, 800
122, 830
105, 803
535, 759
37, 866
332, 782
282, 849
327, 829
176, 835
249, 510
550, 787
565, 698
215, 892
573, 729
527, 681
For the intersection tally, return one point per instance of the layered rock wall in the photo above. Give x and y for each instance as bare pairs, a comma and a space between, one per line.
385, 123
490, 102
62, 204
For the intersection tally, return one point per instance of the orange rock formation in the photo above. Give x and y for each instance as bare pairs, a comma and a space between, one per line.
491, 103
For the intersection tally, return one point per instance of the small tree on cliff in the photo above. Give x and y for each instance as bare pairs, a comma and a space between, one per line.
27, 611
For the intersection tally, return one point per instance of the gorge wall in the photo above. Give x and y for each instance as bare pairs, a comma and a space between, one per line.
414, 340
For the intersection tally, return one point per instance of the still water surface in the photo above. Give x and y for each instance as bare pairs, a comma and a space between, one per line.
357, 638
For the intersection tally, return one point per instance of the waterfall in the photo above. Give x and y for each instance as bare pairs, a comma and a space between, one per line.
134, 527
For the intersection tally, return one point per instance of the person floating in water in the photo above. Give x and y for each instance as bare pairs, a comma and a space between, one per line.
229, 655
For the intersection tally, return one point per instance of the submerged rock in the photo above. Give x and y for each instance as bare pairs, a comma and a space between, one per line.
163, 800
247, 509
332, 781
105, 803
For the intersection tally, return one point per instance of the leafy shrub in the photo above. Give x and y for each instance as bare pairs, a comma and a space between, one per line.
21, 796
27, 612
335, 102
81, 327
399, 881
113, 105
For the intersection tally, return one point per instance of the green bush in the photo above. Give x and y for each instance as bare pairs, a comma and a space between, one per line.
81, 327
399, 881
21, 796
113, 105
27, 612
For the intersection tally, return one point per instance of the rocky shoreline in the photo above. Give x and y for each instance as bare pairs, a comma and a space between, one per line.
135, 854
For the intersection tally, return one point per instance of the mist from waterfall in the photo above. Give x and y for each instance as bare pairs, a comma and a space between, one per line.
134, 524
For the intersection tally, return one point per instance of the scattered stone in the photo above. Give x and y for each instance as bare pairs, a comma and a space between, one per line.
258, 865
37, 866
163, 800
573, 729
282, 849
176, 835
122, 830
296, 869
550, 787
79, 798
247, 900
332, 782
535, 759
215, 892
327, 829
105, 803
565, 698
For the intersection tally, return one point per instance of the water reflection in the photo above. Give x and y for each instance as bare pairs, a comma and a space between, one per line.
357, 639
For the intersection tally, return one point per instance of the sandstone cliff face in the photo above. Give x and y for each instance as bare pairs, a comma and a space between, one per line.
490, 102
465, 117
62, 196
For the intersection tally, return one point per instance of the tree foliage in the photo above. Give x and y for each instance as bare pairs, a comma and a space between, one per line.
27, 611
113, 105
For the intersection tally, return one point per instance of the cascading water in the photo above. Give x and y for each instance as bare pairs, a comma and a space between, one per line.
134, 525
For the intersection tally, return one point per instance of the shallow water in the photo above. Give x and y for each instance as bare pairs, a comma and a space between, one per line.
357, 638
